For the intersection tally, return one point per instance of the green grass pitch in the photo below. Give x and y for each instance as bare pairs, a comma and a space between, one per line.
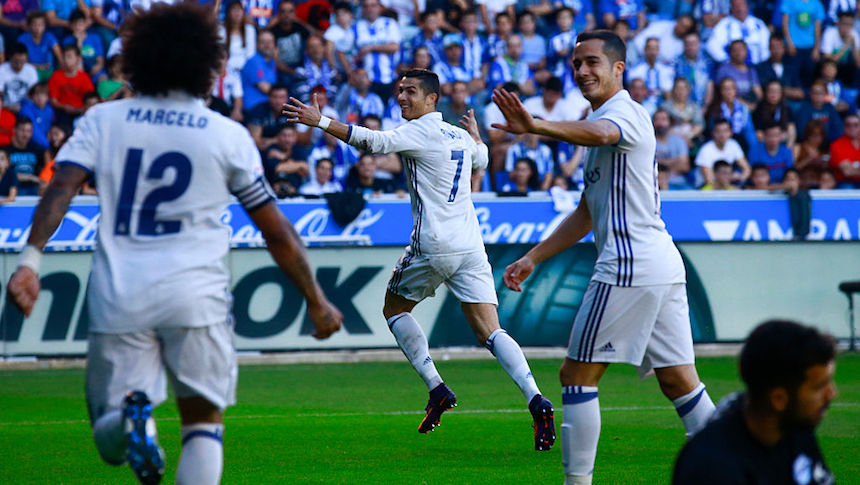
357, 424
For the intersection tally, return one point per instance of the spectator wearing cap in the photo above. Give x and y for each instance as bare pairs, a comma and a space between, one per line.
17, 76
315, 71
670, 33
745, 77
378, 40
801, 25
89, 44
429, 36
740, 25
451, 69
511, 68
658, 77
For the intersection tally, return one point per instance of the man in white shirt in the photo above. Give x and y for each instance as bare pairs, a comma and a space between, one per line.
740, 25
166, 168
549, 104
658, 76
635, 307
671, 35
722, 147
445, 246
17, 76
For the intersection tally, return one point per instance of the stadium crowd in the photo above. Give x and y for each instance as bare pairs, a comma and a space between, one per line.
759, 95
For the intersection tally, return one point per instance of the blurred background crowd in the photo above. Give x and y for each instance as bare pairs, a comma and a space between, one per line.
744, 95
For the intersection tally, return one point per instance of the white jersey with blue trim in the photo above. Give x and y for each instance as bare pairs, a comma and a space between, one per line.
165, 170
633, 247
438, 159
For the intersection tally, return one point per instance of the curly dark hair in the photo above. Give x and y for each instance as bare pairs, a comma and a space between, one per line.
171, 47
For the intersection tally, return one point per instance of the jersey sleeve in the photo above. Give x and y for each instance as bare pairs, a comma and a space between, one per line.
632, 129
482, 157
82, 148
245, 178
404, 138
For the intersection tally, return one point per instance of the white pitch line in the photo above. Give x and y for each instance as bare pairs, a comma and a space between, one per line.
252, 417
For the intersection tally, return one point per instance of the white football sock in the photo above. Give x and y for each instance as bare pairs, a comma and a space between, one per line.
580, 432
413, 343
694, 408
202, 456
109, 435
510, 356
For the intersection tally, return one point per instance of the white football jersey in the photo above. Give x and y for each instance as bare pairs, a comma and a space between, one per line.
165, 169
633, 247
438, 159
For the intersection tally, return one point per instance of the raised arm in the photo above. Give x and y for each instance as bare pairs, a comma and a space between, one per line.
389, 141
288, 251
23, 287
571, 230
586, 133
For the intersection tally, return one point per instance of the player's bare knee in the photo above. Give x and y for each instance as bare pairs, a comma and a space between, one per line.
197, 409
677, 381
576, 373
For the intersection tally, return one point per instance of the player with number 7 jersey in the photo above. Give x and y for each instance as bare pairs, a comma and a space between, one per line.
446, 245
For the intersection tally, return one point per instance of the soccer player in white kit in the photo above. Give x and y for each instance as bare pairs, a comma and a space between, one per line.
635, 307
166, 168
445, 245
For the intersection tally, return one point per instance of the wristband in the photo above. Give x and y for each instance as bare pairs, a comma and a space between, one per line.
324, 122
31, 257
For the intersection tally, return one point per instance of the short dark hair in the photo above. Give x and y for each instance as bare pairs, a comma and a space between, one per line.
23, 120
72, 48
325, 160
722, 121
428, 80
788, 171
36, 14
613, 47
554, 84
759, 166
778, 353
343, 6
171, 47
17, 48
500, 15
720, 164
77, 14
565, 9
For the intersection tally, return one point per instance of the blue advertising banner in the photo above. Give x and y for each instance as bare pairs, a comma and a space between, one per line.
689, 216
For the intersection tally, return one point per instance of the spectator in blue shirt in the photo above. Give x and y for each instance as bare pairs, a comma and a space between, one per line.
59, 12
801, 25
511, 67
38, 109
90, 45
633, 11
534, 47
259, 73
561, 44
429, 36
772, 152
817, 108
42, 46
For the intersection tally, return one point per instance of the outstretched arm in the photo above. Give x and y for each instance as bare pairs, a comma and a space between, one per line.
585, 133
405, 138
23, 287
571, 230
289, 253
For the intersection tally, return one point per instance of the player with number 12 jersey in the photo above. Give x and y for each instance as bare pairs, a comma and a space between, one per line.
144, 153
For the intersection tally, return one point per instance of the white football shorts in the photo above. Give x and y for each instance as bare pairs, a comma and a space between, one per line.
200, 361
468, 276
646, 326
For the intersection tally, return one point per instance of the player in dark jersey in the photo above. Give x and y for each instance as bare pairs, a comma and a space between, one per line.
766, 435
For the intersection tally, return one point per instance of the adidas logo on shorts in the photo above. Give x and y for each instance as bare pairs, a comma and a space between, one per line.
607, 348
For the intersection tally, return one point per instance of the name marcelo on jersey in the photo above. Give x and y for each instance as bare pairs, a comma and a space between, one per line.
166, 117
